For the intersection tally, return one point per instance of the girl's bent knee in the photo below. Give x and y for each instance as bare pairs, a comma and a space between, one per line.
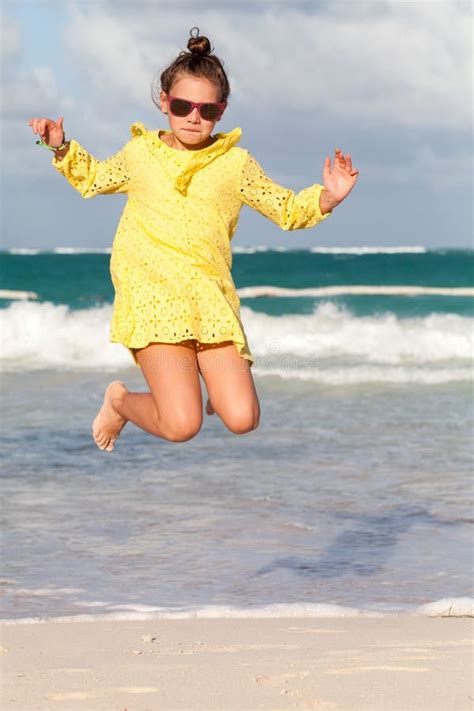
181, 436
181, 432
242, 425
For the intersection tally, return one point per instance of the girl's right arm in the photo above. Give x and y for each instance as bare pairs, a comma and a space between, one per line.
85, 173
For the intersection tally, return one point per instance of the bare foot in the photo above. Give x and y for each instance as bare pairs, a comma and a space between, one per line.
209, 409
108, 423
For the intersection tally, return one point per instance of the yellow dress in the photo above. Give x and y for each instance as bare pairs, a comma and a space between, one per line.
171, 256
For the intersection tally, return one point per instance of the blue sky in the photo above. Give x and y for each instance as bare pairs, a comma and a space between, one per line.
388, 82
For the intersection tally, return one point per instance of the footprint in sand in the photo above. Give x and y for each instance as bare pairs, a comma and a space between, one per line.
385, 667
72, 696
84, 695
277, 679
136, 689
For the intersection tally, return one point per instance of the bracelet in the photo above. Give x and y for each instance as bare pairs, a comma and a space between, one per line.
53, 148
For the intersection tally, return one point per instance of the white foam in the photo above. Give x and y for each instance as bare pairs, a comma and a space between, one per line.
449, 607
47, 335
149, 612
330, 345
17, 294
332, 331
357, 376
250, 292
252, 250
23, 250
82, 250
417, 249
59, 250
411, 249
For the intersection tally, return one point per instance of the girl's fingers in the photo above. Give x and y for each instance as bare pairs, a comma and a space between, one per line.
344, 162
38, 125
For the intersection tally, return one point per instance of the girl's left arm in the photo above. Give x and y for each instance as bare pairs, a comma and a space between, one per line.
290, 210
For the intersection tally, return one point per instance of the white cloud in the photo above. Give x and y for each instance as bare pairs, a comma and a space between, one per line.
405, 64
109, 51
426, 168
376, 66
31, 93
33, 89
9, 37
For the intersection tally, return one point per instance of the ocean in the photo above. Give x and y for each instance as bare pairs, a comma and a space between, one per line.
353, 495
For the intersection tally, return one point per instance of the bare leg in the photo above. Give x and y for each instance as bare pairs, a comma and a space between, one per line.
173, 407
209, 346
230, 386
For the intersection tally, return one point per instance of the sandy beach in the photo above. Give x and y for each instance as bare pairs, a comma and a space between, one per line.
389, 663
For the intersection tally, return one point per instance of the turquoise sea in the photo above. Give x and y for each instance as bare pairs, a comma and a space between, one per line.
354, 492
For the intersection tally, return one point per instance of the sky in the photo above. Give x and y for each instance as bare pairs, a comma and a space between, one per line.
389, 82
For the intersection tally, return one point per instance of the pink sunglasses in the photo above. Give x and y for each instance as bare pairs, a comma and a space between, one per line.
209, 111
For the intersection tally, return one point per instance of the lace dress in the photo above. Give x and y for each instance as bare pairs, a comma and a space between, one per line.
171, 256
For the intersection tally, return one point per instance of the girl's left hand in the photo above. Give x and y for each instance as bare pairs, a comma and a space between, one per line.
341, 178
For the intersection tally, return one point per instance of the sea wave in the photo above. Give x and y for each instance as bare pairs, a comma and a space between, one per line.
250, 292
415, 249
331, 345
252, 249
82, 250
58, 250
17, 294
23, 250
447, 607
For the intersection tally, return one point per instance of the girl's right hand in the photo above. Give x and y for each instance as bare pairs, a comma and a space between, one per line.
51, 132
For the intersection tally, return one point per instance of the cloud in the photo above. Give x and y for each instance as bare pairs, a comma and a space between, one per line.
111, 52
405, 64
9, 37
391, 70
33, 88
26, 92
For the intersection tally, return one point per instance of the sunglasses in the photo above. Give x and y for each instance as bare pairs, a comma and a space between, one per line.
209, 111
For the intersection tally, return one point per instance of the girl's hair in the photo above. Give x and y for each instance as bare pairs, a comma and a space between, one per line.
198, 62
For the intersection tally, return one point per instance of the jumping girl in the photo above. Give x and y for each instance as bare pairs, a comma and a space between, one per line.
176, 308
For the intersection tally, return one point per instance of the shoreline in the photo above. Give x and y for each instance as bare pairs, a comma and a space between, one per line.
139, 612
364, 663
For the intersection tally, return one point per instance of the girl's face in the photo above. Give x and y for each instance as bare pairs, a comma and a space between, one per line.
191, 131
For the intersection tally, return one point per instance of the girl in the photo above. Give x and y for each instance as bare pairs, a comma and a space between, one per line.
176, 308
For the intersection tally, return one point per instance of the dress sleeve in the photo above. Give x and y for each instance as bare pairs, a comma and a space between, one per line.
287, 209
90, 176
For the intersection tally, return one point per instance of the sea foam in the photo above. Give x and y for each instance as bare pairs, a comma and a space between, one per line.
447, 607
330, 345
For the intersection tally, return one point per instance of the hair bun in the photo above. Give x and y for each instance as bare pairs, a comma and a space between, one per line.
198, 44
